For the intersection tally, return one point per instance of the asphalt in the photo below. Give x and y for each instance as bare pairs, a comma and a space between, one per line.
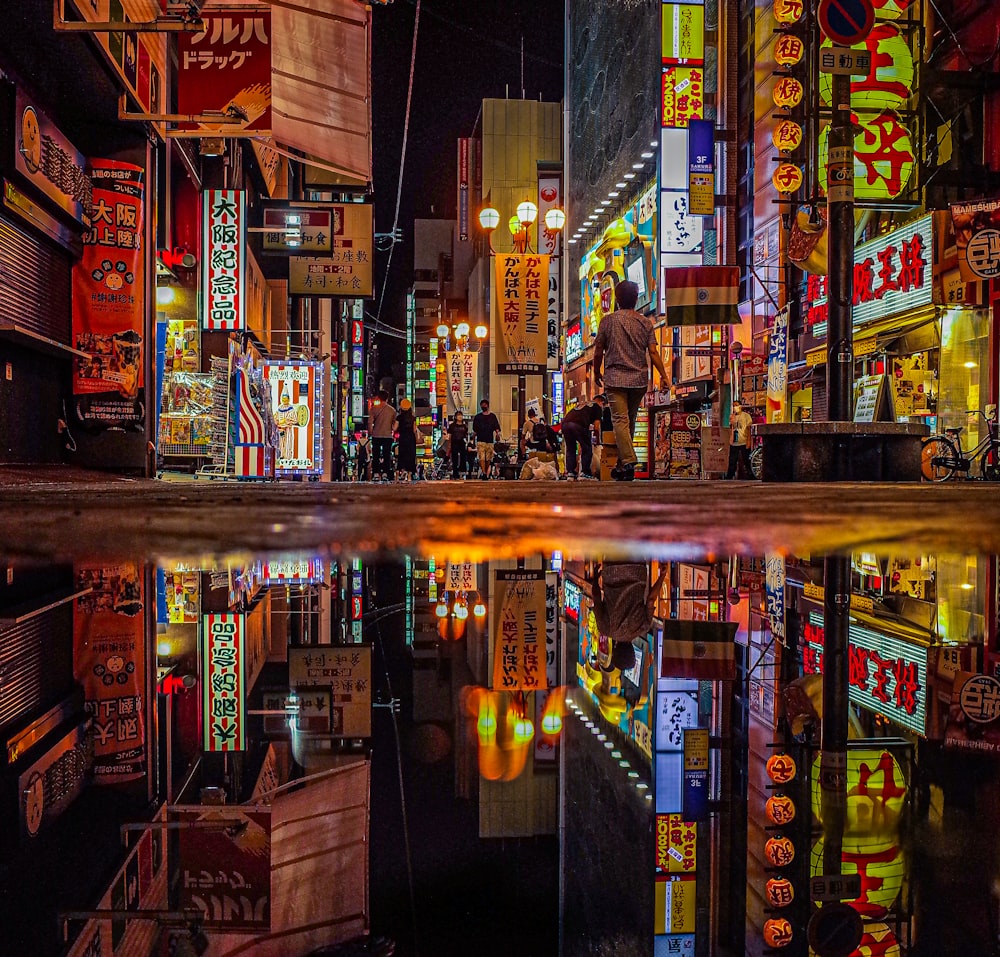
65, 513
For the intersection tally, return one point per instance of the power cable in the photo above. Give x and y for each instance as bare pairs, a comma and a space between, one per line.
402, 158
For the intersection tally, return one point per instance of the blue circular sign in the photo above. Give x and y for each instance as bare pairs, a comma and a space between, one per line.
846, 22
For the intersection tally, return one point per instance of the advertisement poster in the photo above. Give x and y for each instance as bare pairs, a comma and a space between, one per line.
685, 445
519, 630
109, 661
977, 237
777, 368
348, 271
225, 872
227, 69
108, 302
676, 842
661, 446
521, 325
297, 404
463, 381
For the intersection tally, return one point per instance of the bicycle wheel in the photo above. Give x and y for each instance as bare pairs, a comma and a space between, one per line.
757, 461
938, 459
989, 465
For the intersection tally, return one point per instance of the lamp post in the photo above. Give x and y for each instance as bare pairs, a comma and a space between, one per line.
520, 229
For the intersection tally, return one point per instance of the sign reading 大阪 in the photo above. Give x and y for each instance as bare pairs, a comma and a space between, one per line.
521, 326
519, 630
348, 270
223, 258
223, 705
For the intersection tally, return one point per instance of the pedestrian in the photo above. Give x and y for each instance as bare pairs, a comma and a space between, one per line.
362, 458
458, 432
339, 461
486, 427
534, 435
739, 438
624, 346
383, 423
406, 426
577, 430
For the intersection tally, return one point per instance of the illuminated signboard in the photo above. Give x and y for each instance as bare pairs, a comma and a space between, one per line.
571, 600
223, 705
294, 571
683, 95
887, 675
574, 341
348, 270
223, 258
683, 33
297, 403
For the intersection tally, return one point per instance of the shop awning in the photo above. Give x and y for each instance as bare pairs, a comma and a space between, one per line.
321, 82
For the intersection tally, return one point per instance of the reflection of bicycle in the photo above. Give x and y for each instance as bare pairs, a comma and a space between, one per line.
757, 460
941, 456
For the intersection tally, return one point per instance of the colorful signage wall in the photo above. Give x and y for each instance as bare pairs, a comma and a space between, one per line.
223, 256
223, 685
109, 302
520, 323
295, 390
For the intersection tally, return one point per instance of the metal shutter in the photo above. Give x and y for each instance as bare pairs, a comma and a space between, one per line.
34, 284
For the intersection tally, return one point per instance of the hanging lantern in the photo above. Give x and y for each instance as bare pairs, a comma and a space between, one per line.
888, 85
786, 136
779, 851
881, 866
890, 9
787, 178
876, 794
883, 156
777, 932
787, 93
780, 809
779, 892
788, 50
781, 768
878, 941
788, 11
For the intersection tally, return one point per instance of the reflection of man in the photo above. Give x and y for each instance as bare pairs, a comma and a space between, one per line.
623, 605
286, 419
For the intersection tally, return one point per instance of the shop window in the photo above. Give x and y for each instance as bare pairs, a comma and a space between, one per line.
964, 370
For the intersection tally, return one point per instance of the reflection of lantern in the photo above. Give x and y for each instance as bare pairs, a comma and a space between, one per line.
786, 136
881, 867
779, 892
788, 50
777, 932
787, 178
876, 793
780, 809
787, 11
780, 768
787, 93
878, 941
883, 156
779, 851
889, 81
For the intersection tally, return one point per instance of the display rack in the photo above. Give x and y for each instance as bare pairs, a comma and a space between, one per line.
219, 444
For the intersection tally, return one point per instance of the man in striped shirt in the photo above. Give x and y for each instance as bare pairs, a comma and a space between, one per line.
624, 345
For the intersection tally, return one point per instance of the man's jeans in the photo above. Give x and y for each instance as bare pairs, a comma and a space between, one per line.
575, 435
625, 405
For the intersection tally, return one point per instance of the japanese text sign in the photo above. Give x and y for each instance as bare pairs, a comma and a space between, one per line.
676, 840
296, 402
347, 672
296, 228
683, 33
223, 704
227, 69
522, 335
701, 167
519, 630
223, 259
348, 270
463, 381
977, 239
682, 90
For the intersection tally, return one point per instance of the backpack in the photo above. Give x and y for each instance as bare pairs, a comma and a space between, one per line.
539, 433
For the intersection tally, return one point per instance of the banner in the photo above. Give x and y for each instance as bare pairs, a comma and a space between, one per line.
519, 630
224, 692
463, 381
109, 301
223, 255
463, 188
977, 238
701, 295
549, 243
227, 69
296, 401
521, 331
109, 661
777, 368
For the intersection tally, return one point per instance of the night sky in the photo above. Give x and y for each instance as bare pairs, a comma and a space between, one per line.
466, 51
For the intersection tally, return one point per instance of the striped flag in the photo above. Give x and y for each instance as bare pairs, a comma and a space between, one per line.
702, 295
698, 649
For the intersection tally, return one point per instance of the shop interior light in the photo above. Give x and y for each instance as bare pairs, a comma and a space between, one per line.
633, 774
609, 745
616, 754
654, 144
638, 165
605, 202
642, 786
555, 218
613, 193
165, 295
646, 154
572, 241
527, 212
163, 649
597, 212
620, 185
970, 365
489, 218
967, 587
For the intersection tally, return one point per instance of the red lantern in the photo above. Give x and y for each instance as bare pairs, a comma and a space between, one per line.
788, 50
788, 11
777, 932
787, 178
781, 768
787, 136
779, 892
780, 809
779, 851
787, 93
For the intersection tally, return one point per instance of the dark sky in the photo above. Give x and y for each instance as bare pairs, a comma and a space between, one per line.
467, 50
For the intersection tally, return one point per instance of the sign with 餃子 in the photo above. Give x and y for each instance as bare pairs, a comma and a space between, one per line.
223, 259
521, 323
519, 630
348, 270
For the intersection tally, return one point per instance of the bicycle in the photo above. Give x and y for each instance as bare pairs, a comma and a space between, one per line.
942, 455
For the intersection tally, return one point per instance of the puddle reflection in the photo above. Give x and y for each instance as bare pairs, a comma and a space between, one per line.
554, 754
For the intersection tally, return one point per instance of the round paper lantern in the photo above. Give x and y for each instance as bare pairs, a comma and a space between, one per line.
786, 136
788, 50
787, 178
890, 9
779, 892
779, 851
777, 932
882, 867
878, 941
788, 11
780, 768
787, 93
780, 809
888, 84
876, 794
883, 156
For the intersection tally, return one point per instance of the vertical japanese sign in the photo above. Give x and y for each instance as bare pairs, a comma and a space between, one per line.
519, 630
223, 704
774, 594
552, 628
977, 239
227, 69
109, 661
463, 381
550, 243
777, 368
701, 167
461, 576
109, 301
521, 329
222, 257
463, 189
348, 271
296, 401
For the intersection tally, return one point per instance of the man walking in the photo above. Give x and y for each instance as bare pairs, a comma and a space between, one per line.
486, 428
624, 345
577, 430
383, 421
739, 437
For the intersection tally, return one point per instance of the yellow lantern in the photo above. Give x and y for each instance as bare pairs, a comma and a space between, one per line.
779, 892
876, 794
780, 809
787, 178
777, 932
878, 941
881, 867
788, 50
788, 11
781, 768
779, 851
890, 9
883, 156
786, 136
787, 93
888, 85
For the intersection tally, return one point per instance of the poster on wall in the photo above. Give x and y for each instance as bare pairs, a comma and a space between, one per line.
296, 402
109, 661
685, 445
519, 630
109, 303
521, 327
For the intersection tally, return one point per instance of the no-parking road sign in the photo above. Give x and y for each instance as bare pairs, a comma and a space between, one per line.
846, 22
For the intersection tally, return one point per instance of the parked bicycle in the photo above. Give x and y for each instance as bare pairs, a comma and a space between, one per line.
942, 455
